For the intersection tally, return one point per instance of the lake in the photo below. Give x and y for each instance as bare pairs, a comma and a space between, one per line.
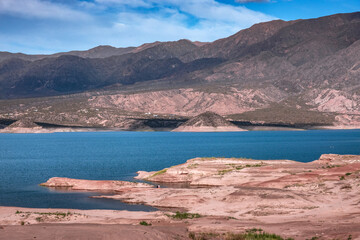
27, 160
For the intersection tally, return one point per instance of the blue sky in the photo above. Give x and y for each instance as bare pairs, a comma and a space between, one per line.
48, 26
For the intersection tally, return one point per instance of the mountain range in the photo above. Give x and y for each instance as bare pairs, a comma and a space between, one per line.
278, 72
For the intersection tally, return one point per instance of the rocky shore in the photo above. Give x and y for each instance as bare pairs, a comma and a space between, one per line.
216, 196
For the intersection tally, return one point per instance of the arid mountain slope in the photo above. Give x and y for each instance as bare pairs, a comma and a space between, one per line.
293, 56
190, 101
303, 72
96, 52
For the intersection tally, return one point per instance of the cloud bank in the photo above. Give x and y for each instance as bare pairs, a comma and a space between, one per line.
78, 24
40, 9
249, 1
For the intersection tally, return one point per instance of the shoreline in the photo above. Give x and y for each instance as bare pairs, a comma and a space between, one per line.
251, 129
291, 199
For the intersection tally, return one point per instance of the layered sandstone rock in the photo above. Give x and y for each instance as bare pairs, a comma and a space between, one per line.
248, 172
293, 199
93, 185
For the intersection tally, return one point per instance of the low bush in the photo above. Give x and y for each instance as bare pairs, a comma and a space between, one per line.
184, 215
251, 234
145, 223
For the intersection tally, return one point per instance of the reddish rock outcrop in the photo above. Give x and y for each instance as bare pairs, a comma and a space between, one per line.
316, 198
94, 185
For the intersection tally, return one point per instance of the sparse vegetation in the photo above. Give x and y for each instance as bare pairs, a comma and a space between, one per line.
330, 166
222, 172
144, 223
313, 238
254, 165
203, 236
158, 173
184, 215
251, 234
342, 178
295, 185
348, 174
254, 230
58, 214
239, 167
194, 165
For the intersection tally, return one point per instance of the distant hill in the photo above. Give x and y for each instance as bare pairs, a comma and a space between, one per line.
302, 72
292, 56
207, 122
23, 123
96, 52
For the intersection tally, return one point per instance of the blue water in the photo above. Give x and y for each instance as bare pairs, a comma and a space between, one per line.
29, 159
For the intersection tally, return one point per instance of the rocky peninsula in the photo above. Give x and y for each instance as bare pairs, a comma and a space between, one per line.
217, 196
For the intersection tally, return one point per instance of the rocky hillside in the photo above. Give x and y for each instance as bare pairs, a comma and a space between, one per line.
23, 123
207, 122
297, 72
293, 56
96, 52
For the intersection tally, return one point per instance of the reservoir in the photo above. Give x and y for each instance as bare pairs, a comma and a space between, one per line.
27, 160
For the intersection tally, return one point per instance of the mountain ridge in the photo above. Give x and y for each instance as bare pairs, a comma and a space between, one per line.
272, 52
270, 69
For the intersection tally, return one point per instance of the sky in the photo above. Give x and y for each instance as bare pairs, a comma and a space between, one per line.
49, 26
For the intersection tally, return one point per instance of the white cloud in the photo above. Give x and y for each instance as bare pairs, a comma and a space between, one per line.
40, 9
119, 23
209, 20
217, 12
132, 3
248, 1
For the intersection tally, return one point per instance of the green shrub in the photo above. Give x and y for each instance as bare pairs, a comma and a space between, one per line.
222, 172
251, 234
184, 215
159, 172
313, 238
145, 223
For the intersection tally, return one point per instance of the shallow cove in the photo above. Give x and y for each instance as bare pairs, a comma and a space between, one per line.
29, 159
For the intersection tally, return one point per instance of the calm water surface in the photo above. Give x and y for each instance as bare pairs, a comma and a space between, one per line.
29, 159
